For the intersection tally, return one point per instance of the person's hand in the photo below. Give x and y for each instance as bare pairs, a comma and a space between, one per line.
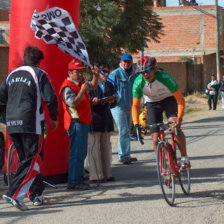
178, 122
111, 99
95, 101
138, 134
177, 127
95, 70
85, 87
53, 124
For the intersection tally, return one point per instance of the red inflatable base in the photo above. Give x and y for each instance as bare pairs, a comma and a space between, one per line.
56, 150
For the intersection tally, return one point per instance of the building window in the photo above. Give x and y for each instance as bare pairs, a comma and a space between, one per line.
2, 37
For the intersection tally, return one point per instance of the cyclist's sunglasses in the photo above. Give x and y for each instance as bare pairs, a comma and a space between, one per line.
146, 71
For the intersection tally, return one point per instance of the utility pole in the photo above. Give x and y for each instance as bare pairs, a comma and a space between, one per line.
142, 50
217, 41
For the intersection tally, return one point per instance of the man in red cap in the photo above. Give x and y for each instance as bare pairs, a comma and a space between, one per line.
77, 118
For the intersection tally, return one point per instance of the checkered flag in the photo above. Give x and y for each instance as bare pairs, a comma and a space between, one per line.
55, 26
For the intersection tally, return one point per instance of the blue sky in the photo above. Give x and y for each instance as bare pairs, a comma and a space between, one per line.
200, 2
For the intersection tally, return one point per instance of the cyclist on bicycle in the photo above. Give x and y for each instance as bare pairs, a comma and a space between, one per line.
161, 93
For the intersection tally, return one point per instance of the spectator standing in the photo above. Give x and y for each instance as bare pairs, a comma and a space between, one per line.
77, 118
124, 77
222, 91
212, 87
22, 92
99, 153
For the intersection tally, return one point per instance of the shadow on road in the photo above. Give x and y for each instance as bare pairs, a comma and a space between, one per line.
139, 175
207, 120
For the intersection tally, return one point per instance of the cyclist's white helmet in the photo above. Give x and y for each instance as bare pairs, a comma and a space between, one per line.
146, 63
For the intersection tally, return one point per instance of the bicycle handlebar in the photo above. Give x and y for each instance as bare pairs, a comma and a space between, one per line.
163, 126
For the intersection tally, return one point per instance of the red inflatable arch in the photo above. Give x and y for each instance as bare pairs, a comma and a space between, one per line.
56, 151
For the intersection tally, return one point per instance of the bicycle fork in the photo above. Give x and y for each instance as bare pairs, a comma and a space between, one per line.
165, 165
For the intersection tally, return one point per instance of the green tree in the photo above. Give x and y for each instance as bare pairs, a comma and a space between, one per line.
110, 28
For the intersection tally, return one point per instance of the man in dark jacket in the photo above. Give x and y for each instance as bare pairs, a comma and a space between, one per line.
22, 92
212, 88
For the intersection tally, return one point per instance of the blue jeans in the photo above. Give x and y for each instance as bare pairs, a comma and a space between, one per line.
122, 119
78, 134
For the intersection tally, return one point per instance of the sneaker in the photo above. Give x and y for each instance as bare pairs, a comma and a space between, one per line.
38, 200
85, 175
133, 159
79, 187
7, 198
185, 162
133, 138
99, 181
19, 204
125, 161
111, 178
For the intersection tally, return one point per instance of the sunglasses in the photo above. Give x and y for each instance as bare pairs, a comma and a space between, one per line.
105, 71
147, 71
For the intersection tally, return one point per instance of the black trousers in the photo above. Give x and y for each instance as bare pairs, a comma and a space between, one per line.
212, 101
27, 179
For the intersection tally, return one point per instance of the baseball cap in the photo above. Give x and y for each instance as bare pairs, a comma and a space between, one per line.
76, 64
126, 57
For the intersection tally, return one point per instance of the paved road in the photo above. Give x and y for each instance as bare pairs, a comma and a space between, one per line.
135, 198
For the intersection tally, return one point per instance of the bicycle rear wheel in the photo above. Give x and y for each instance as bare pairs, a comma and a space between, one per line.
165, 173
12, 163
2, 151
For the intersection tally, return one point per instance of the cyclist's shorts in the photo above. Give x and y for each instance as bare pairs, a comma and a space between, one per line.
155, 111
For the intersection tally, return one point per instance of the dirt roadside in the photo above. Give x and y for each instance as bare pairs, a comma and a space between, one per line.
199, 108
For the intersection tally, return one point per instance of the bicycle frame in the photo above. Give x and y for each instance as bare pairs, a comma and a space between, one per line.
171, 154
167, 164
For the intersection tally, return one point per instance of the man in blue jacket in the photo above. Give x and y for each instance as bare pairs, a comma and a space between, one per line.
124, 77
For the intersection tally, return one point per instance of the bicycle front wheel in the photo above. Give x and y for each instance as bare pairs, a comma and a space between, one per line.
165, 173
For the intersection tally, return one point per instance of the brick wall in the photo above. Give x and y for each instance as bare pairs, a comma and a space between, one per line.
181, 32
187, 32
179, 71
209, 67
4, 58
4, 15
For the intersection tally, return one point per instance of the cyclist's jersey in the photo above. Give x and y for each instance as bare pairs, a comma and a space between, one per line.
163, 86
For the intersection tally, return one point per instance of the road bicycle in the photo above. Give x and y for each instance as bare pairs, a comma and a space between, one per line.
168, 163
13, 165
13, 162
